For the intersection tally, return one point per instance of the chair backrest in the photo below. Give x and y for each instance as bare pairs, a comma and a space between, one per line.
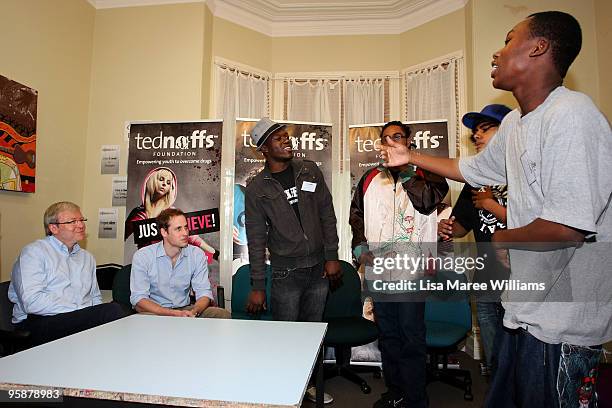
345, 301
6, 308
449, 306
121, 286
105, 275
241, 287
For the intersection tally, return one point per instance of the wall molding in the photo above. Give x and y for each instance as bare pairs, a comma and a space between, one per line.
279, 18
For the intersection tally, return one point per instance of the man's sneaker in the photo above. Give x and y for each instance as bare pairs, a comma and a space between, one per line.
389, 400
311, 394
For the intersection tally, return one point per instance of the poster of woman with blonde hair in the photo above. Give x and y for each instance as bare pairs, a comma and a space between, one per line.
174, 165
158, 192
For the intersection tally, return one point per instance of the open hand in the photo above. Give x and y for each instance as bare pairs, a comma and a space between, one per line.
394, 154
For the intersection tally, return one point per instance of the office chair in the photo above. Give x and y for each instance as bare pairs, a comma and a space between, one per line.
346, 327
121, 288
241, 287
105, 274
11, 339
448, 320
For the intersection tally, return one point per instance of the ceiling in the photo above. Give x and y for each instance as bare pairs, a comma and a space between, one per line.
282, 18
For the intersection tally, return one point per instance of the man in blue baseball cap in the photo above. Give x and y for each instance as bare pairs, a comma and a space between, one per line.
482, 211
484, 124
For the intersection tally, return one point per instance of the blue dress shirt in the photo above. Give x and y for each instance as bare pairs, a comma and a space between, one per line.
153, 276
47, 280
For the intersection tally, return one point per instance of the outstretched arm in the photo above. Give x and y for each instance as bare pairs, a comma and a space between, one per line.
396, 154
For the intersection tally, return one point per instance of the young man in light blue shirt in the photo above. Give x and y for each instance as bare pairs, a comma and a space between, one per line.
53, 282
163, 273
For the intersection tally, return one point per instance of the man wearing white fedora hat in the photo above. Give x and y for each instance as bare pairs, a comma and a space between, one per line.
289, 211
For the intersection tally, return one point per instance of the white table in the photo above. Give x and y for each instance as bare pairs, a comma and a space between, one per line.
176, 361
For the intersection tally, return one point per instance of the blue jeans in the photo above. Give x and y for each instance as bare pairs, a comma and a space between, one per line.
298, 294
532, 373
490, 320
578, 376
403, 350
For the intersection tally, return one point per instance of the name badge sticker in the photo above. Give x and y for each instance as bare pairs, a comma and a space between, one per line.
308, 186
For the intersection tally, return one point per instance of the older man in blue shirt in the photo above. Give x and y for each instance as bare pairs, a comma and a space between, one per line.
53, 281
163, 273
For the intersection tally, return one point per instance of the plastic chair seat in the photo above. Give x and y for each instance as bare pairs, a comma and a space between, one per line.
443, 334
350, 331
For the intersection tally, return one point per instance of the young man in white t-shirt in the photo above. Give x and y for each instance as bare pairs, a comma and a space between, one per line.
554, 155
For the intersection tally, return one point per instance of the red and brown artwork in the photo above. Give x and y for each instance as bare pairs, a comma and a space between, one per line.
17, 136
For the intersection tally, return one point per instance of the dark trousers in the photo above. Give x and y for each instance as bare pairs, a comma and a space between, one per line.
299, 294
490, 320
403, 349
526, 374
532, 373
44, 329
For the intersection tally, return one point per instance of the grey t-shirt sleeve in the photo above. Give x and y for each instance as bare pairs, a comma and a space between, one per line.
576, 167
488, 167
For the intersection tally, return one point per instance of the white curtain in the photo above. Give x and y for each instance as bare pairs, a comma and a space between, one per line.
435, 92
238, 93
430, 92
365, 101
241, 94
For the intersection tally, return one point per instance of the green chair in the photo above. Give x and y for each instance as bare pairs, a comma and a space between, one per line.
241, 287
448, 320
347, 327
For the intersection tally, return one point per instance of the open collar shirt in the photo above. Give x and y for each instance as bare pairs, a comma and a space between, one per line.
48, 279
154, 277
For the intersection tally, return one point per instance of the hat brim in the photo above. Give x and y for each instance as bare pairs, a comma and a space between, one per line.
271, 129
473, 119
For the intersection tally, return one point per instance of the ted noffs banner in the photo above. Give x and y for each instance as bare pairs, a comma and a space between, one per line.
364, 144
310, 141
364, 150
174, 165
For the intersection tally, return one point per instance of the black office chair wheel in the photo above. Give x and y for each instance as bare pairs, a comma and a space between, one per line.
365, 388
